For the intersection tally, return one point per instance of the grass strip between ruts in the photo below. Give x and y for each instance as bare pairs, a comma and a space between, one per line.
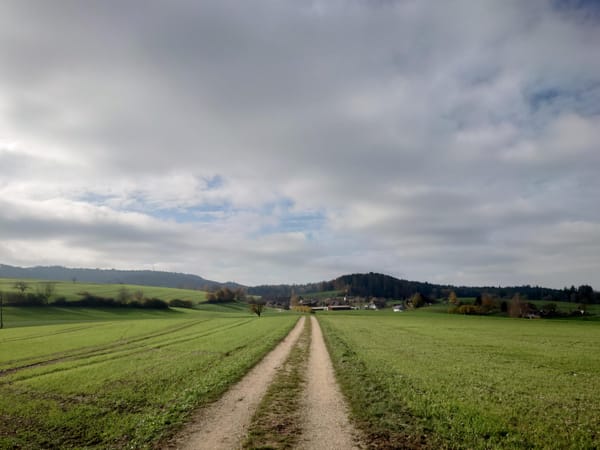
277, 421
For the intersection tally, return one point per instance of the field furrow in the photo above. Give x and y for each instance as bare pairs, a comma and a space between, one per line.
115, 353
137, 388
20, 364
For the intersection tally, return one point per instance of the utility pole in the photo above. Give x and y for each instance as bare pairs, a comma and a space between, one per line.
1, 309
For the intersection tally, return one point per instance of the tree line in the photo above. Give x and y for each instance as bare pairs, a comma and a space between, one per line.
45, 291
385, 286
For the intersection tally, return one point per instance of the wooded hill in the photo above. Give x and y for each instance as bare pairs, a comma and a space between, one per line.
358, 284
112, 276
385, 286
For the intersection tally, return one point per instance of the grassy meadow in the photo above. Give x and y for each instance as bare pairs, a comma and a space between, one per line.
70, 290
423, 379
95, 378
128, 378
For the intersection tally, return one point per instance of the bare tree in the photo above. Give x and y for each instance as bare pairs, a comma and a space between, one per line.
293, 300
515, 309
21, 286
452, 298
46, 290
124, 295
138, 295
257, 307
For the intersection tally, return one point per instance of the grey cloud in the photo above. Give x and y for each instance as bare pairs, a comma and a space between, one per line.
458, 126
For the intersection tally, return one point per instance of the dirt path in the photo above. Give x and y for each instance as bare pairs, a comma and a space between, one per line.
224, 424
326, 424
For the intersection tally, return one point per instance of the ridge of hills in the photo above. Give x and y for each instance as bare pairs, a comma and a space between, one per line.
114, 276
364, 284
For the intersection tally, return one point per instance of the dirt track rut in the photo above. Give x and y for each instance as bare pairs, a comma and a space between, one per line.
325, 423
224, 424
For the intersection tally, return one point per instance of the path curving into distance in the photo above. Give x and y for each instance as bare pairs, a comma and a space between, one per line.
224, 424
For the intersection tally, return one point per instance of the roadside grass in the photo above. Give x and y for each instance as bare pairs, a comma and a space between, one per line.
125, 383
450, 381
277, 421
70, 290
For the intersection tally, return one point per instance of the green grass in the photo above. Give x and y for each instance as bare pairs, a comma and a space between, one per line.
118, 380
52, 315
70, 290
449, 381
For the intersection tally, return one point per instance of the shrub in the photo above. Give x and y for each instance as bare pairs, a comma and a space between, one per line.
488, 303
178, 303
90, 300
60, 301
154, 303
417, 300
18, 299
469, 309
224, 295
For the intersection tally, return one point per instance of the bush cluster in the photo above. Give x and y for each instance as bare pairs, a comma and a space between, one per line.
178, 303
87, 300
224, 295
19, 299
90, 300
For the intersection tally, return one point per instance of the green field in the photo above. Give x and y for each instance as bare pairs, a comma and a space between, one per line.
593, 310
129, 378
71, 290
120, 379
421, 379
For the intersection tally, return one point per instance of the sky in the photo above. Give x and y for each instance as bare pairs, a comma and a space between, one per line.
295, 141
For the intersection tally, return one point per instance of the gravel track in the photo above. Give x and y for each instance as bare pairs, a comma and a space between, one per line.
224, 424
326, 424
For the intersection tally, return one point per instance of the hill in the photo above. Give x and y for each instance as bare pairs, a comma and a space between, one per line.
385, 286
113, 276
358, 284
75, 291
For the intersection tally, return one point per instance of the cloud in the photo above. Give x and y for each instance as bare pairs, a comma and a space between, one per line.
295, 141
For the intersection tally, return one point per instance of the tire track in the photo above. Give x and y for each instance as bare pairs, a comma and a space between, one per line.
83, 352
224, 424
326, 425
123, 352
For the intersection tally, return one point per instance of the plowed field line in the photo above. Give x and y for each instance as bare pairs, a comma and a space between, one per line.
118, 350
